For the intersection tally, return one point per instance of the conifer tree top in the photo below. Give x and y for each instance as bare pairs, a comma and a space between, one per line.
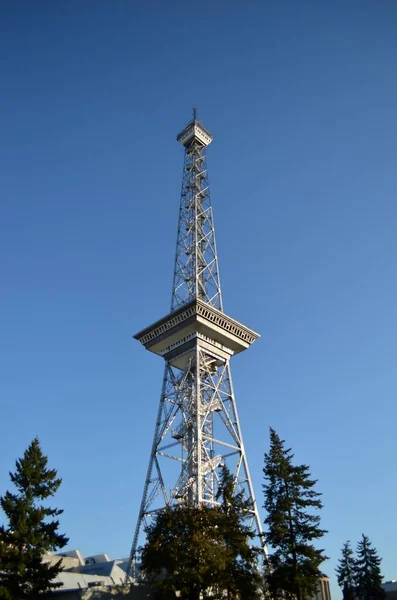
32, 529
292, 525
32, 477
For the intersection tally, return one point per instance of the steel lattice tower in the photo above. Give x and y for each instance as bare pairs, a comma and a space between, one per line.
197, 428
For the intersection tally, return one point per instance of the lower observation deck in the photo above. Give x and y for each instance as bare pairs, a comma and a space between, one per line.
197, 323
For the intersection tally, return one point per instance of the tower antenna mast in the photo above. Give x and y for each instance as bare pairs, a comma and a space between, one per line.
197, 429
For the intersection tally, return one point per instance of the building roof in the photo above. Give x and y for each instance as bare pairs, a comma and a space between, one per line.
81, 573
78, 581
109, 569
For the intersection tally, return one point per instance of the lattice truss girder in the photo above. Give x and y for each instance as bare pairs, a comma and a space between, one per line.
196, 264
197, 431
197, 428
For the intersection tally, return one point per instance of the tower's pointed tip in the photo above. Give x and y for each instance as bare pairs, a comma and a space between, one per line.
194, 130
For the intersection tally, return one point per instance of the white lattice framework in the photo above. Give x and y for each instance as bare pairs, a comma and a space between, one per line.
197, 428
196, 262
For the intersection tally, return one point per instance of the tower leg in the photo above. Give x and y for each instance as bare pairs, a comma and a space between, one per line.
197, 432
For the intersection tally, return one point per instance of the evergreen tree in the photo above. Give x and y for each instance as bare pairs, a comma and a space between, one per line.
367, 571
345, 572
184, 551
290, 499
242, 578
202, 551
32, 528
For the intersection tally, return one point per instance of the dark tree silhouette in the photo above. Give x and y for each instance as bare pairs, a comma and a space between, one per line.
291, 526
367, 572
203, 551
345, 572
32, 528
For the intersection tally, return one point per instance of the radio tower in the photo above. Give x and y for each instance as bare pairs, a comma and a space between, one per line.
197, 427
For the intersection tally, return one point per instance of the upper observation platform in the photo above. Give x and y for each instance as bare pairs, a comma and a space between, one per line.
194, 131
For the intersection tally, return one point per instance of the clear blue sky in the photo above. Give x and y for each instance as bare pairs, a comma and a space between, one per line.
301, 98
